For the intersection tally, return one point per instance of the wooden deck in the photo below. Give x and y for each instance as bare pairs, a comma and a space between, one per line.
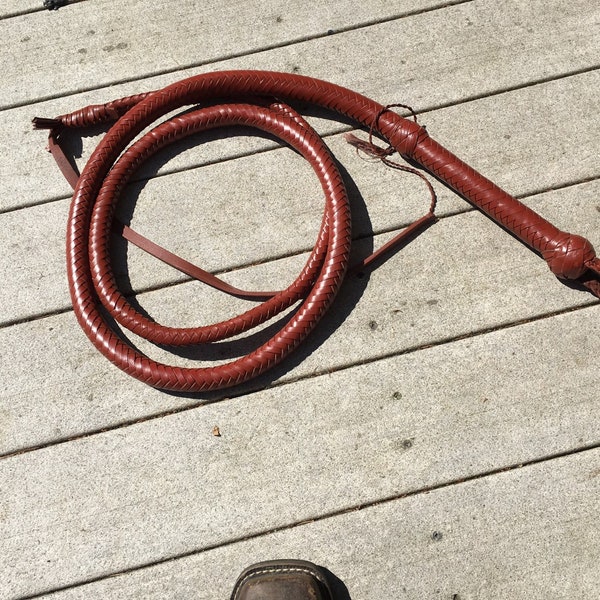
436, 438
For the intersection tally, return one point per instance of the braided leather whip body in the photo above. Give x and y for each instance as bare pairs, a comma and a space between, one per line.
112, 164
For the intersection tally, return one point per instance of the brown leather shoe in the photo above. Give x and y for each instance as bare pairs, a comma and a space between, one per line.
282, 580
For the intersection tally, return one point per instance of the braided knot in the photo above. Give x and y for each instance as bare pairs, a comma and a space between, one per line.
406, 136
569, 256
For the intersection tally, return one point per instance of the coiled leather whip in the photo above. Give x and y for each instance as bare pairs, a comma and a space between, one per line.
255, 99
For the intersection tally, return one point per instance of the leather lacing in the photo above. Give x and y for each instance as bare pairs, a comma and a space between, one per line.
243, 100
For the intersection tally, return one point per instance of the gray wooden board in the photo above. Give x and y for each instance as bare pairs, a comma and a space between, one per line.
167, 487
277, 192
391, 62
528, 533
463, 275
99, 51
16, 7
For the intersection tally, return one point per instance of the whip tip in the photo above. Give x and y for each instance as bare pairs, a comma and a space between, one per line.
43, 123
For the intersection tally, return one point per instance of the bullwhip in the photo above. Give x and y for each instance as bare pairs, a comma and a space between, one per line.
255, 99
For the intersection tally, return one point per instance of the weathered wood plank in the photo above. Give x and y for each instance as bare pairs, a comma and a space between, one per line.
269, 204
162, 488
530, 533
15, 7
99, 51
449, 282
427, 60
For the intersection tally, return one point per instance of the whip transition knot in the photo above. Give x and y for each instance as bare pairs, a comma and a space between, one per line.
377, 152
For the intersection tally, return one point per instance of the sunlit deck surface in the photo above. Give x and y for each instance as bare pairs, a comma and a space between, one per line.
436, 437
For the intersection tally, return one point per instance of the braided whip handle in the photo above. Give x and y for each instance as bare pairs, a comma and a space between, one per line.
569, 256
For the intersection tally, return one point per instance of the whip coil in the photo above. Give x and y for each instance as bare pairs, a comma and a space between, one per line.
241, 98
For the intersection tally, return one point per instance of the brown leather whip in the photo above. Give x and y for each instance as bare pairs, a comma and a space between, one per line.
241, 98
